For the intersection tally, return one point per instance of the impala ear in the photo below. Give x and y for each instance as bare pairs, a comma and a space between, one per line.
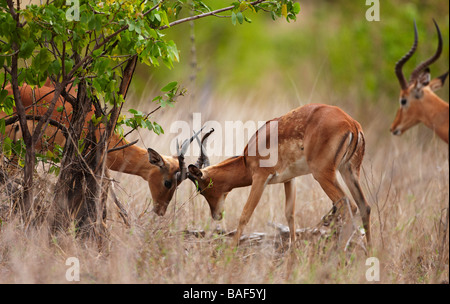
424, 79
154, 158
194, 171
438, 82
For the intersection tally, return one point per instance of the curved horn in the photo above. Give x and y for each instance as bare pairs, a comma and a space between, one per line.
203, 160
404, 59
182, 175
415, 74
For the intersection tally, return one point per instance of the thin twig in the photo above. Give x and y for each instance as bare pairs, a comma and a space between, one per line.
145, 118
7, 55
211, 13
38, 117
123, 147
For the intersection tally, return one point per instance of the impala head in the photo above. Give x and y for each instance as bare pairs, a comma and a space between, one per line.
213, 193
416, 92
163, 182
172, 172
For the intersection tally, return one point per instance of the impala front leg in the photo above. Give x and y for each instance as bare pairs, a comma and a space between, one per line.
258, 185
289, 190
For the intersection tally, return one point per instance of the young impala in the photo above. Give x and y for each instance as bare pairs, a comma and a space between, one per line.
162, 173
418, 102
317, 139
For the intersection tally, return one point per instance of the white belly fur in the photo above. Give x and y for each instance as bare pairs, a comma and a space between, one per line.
297, 168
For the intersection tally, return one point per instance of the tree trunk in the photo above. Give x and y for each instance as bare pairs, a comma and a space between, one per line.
83, 183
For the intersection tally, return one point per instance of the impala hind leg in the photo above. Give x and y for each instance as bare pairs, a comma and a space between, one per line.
258, 185
351, 179
328, 181
289, 190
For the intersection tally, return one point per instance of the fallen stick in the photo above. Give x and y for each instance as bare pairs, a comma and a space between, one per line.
122, 212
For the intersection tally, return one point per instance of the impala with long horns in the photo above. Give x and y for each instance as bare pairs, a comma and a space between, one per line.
418, 102
317, 139
162, 173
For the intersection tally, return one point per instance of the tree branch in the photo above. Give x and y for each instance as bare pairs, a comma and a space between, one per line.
123, 147
211, 13
153, 8
7, 55
52, 122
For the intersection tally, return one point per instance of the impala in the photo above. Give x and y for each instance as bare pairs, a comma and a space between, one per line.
418, 102
317, 139
162, 173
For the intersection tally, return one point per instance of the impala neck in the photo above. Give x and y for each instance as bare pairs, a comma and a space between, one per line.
131, 160
435, 116
231, 173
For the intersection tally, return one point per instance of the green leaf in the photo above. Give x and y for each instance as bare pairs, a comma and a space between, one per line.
130, 25
157, 129
95, 22
273, 15
2, 126
233, 18
170, 86
46, 35
100, 66
3, 94
8, 105
68, 64
97, 52
26, 49
296, 8
91, 23
49, 154
164, 20
148, 124
81, 145
55, 170
172, 51
7, 146
42, 60
54, 68
240, 17
98, 22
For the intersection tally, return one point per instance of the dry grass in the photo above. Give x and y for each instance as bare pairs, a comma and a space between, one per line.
405, 180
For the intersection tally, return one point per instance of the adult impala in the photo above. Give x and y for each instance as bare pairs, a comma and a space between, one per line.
317, 139
162, 173
418, 102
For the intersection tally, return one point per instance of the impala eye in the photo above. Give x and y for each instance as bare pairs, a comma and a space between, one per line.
403, 101
168, 184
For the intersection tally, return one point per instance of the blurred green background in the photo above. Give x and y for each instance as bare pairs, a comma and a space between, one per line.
331, 54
